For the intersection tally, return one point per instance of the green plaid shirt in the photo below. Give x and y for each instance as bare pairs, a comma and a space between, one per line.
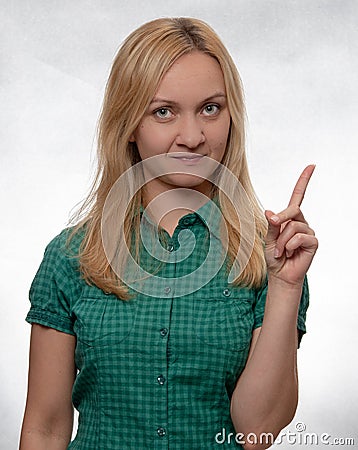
155, 372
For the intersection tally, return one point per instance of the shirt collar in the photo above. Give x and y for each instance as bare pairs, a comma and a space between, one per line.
209, 213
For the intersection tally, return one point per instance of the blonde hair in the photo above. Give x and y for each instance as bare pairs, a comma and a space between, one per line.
140, 64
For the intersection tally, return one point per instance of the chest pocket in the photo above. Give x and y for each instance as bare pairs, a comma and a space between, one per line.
102, 320
226, 320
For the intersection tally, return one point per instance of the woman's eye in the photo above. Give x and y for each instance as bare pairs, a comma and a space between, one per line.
163, 113
211, 110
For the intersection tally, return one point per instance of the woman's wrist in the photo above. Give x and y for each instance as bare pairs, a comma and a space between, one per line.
283, 299
276, 282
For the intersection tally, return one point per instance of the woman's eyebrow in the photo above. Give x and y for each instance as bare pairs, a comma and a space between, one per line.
172, 102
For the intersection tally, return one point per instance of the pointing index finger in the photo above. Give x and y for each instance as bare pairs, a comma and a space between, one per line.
301, 185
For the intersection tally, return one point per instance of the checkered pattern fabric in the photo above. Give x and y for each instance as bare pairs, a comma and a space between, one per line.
154, 372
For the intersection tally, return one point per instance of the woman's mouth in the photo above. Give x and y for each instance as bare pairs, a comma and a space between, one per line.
189, 159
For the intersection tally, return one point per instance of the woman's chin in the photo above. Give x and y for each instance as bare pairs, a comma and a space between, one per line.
185, 181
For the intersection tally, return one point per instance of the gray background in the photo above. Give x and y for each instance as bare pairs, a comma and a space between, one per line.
298, 61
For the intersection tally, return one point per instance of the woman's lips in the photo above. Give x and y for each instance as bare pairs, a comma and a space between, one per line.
189, 160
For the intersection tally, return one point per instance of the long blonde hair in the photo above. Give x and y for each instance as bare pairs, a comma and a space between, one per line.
140, 64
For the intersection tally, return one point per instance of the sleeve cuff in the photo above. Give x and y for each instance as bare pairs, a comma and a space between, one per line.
50, 320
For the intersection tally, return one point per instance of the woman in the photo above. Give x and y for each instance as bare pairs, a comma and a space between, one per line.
152, 355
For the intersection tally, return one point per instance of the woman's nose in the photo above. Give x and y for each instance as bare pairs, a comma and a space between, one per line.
190, 132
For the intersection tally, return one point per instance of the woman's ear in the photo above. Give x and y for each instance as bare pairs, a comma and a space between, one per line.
131, 138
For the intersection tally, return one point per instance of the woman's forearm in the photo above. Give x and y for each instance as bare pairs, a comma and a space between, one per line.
265, 397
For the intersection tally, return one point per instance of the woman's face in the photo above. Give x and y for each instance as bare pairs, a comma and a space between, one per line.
189, 115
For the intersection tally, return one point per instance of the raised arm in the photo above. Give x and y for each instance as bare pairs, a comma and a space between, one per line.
48, 418
265, 397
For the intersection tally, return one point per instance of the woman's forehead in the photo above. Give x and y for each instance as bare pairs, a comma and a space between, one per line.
194, 74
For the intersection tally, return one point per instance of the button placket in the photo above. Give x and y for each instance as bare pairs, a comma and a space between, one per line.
160, 378
159, 374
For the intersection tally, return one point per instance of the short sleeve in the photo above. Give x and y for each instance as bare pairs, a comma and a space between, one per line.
302, 311
54, 288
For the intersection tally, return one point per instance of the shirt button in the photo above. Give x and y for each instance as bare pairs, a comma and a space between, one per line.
186, 221
161, 379
170, 247
167, 289
161, 431
163, 332
227, 292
